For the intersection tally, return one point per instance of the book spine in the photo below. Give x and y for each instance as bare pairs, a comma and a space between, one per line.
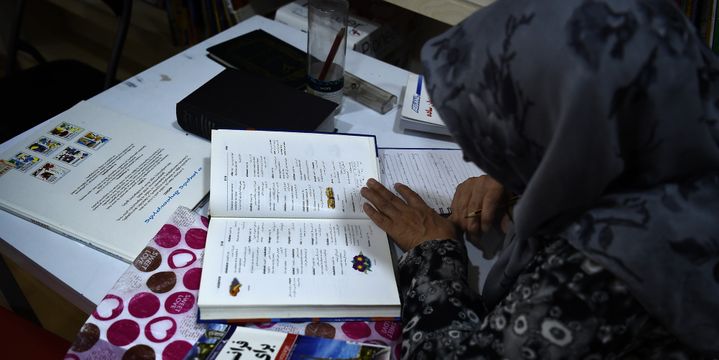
224, 14
704, 20
713, 26
201, 123
177, 18
205, 20
216, 16
229, 17
59, 230
278, 320
192, 121
688, 9
715, 40
193, 28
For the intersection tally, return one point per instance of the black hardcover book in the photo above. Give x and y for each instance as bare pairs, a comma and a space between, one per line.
236, 99
261, 53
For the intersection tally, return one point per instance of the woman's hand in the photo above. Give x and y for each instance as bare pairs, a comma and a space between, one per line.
483, 194
408, 222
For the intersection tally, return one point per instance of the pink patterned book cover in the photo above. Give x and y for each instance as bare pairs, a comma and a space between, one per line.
150, 313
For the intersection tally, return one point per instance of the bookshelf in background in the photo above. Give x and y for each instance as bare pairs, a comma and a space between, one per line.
703, 14
192, 21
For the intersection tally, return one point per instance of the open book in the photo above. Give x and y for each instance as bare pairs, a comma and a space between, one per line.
102, 178
287, 237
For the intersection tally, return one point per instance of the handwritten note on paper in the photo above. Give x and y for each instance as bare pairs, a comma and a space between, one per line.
432, 173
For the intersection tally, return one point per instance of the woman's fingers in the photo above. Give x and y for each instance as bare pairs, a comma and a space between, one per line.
474, 203
490, 204
477, 195
381, 198
459, 201
408, 222
411, 197
467, 198
381, 190
377, 217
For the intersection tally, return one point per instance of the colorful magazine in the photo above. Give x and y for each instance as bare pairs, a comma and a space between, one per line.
227, 342
151, 311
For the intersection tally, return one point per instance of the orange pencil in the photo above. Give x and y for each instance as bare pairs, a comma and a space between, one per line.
331, 55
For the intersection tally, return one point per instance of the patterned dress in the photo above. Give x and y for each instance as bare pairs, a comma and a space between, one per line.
564, 306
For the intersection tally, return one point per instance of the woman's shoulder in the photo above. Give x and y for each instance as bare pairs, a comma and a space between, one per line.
584, 304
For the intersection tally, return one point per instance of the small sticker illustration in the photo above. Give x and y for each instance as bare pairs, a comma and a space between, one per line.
66, 130
330, 197
93, 140
44, 145
23, 161
361, 263
50, 172
72, 155
235, 287
5, 166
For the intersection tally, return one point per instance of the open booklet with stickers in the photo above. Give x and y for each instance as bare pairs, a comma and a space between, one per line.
288, 239
103, 178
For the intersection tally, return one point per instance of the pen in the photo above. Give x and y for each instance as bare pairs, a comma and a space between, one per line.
512, 200
332, 53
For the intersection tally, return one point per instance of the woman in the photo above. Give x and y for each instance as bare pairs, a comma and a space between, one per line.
603, 116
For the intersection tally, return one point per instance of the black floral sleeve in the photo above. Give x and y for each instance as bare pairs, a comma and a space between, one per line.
563, 306
439, 312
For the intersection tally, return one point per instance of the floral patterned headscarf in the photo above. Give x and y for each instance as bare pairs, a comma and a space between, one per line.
604, 116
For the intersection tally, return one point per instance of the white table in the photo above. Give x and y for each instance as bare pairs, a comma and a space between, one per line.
84, 275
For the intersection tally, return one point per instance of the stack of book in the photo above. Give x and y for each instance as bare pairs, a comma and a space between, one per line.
418, 112
288, 239
226, 102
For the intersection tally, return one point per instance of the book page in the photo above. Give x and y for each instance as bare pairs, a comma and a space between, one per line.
289, 174
103, 178
432, 173
296, 261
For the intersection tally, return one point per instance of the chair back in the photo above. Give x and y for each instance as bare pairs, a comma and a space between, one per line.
13, 11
